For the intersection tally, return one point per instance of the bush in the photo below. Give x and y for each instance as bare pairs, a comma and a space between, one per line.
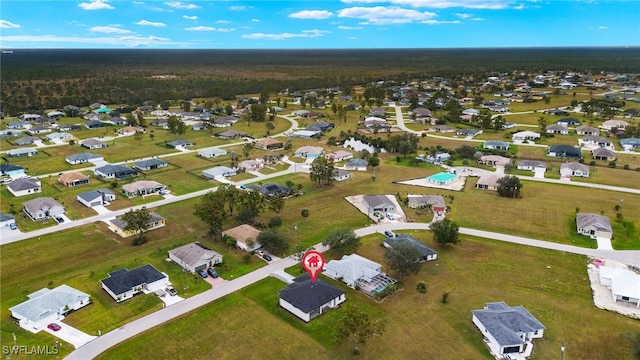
626, 167
592, 163
612, 164
304, 212
275, 222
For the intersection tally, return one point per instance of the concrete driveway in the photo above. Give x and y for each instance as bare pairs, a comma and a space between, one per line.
71, 335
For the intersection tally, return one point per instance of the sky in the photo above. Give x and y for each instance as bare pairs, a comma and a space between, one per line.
304, 24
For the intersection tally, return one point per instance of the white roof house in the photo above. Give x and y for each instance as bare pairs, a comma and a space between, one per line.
525, 135
352, 268
211, 152
48, 305
194, 256
624, 284
219, 171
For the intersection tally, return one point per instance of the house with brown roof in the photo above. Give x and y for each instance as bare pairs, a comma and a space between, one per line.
269, 144
118, 225
93, 144
603, 154
246, 237
494, 160
73, 179
489, 182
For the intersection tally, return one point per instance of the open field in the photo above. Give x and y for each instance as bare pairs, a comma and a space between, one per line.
554, 287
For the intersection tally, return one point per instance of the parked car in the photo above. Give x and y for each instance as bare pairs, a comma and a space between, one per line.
266, 257
202, 273
54, 327
13, 226
390, 216
260, 252
389, 233
59, 219
211, 271
171, 290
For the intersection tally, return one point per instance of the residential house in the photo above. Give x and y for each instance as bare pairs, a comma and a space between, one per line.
623, 283
10, 133
48, 305
269, 144
42, 208
356, 164
28, 140
359, 273
211, 152
570, 169
24, 186
96, 124
118, 225
180, 143
272, 190
496, 145
339, 155
594, 142
568, 121
439, 158
379, 203
161, 122
130, 130
21, 152
150, 164
531, 165
565, 151
373, 123
307, 300
123, 284
97, 197
341, 175
377, 112
353, 107
426, 253
225, 121
469, 132
557, 112
93, 144
594, 225
199, 125
29, 117
525, 136
7, 220
219, 171
11, 170
251, 164
110, 171
434, 202
557, 129
141, 188
309, 152
471, 112
630, 143
231, 134
507, 329
39, 129
587, 130
194, 256
307, 134
494, 160
603, 154
59, 137
84, 158
489, 182
73, 179
246, 237
614, 124
441, 129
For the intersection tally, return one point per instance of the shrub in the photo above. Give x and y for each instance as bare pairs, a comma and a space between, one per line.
612, 164
275, 222
592, 163
304, 212
626, 167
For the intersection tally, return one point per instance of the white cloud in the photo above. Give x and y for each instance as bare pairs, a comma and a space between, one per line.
437, 22
255, 20
137, 3
4, 24
150, 23
342, 27
223, 22
379, 15
603, 27
464, 16
96, 5
180, 5
239, 8
519, 7
109, 30
311, 14
209, 28
129, 41
282, 36
352, 38
441, 4
190, 17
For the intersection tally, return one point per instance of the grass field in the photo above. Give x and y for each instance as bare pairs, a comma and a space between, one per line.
552, 286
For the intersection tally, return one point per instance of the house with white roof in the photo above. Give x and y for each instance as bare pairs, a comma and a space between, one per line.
211, 152
521, 136
194, 256
83, 158
219, 171
309, 152
48, 305
624, 284
339, 155
22, 152
507, 329
358, 272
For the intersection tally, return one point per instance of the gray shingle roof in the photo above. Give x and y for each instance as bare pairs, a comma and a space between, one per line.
598, 221
424, 250
24, 183
192, 253
45, 302
83, 157
123, 280
504, 322
149, 163
307, 296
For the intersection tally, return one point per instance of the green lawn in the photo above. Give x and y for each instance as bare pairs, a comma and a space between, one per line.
551, 285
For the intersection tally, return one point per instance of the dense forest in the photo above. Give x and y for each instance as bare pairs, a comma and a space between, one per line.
34, 80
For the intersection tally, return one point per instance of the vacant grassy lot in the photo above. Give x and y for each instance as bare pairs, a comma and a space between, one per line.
552, 286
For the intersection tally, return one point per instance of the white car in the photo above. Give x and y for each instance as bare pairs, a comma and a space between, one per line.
390, 216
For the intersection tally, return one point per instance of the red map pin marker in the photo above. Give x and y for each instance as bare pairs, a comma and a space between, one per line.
313, 262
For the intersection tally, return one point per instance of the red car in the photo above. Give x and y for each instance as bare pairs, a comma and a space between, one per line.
54, 326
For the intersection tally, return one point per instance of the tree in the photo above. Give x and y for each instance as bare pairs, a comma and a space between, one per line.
210, 212
373, 161
343, 240
485, 119
272, 241
466, 151
542, 124
251, 204
498, 123
247, 149
356, 327
445, 232
321, 171
509, 186
421, 287
403, 259
230, 195
276, 204
176, 126
138, 135
136, 222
